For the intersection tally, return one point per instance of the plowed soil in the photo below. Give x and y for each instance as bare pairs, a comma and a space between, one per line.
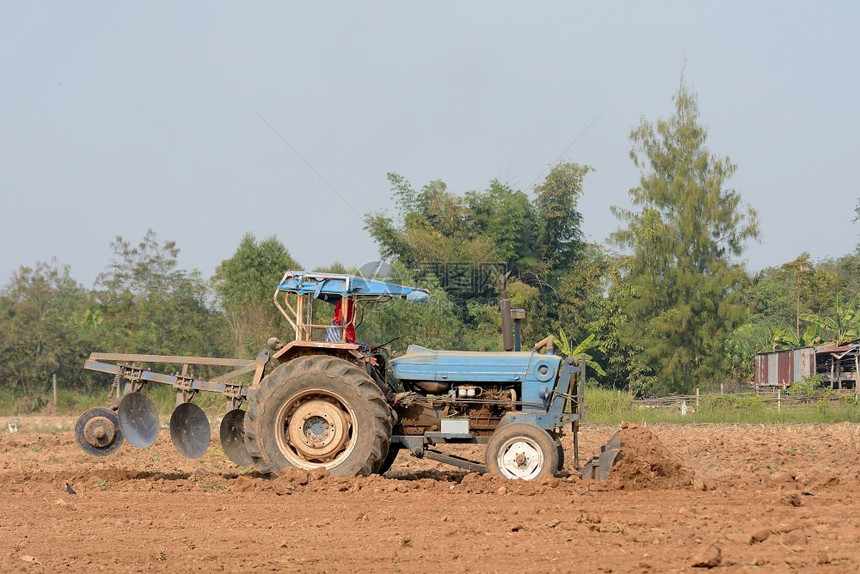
683, 498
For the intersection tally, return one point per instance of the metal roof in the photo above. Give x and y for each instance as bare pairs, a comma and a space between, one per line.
330, 287
833, 348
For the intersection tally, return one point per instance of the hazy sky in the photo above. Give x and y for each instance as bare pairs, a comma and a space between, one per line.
116, 117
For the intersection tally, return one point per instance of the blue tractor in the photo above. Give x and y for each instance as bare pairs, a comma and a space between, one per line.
323, 400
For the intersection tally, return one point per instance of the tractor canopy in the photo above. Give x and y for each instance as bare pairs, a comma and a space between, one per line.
331, 287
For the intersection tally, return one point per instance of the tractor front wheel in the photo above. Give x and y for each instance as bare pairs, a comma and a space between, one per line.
522, 451
318, 412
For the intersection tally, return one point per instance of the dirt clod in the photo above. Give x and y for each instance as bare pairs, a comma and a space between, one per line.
707, 556
759, 535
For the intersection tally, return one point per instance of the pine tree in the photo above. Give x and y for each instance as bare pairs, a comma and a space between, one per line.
684, 233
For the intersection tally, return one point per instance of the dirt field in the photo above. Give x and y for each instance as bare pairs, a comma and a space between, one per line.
738, 498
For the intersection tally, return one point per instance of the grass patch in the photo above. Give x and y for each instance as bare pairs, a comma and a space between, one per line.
608, 406
74, 403
69, 402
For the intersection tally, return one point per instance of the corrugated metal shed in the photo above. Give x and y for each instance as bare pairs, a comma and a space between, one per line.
782, 368
840, 364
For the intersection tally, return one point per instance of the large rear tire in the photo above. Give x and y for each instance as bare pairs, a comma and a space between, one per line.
387, 463
318, 412
522, 451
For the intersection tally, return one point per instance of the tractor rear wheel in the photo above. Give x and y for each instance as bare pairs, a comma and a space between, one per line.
318, 412
393, 451
522, 451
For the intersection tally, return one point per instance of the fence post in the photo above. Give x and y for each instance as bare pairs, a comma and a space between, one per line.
721, 389
697, 397
779, 400
54, 383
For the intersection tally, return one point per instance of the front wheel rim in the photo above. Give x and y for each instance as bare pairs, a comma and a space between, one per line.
520, 458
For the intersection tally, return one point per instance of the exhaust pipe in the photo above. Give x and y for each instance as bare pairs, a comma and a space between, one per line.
505, 307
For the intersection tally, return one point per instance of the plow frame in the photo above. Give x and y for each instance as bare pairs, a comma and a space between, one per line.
127, 366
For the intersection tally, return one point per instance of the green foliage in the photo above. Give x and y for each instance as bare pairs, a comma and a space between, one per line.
807, 387
842, 325
608, 406
753, 403
559, 235
716, 403
149, 304
781, 296
244, 285
846, 270
436, 225
682, 299
609, 319
434, 324
539, 240
42, 328
788, 340
579, 351
740, 349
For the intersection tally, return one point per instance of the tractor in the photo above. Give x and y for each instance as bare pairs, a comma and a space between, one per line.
324, 400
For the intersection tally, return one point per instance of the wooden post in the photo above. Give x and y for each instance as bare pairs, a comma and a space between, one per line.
54, 383
832, 369
721, 389
697, 397
857, 375
839, 373
779, 400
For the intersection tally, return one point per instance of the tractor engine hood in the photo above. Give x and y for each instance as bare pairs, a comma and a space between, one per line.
537, 373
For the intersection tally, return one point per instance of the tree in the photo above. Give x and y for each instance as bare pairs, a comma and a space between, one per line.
682, 301
434, 324
811, 289
559, 237
779, 299
847, 271
436, 226
151, 305
41, 333
609, 320
847, 267
245, 284
841, 325
539, 239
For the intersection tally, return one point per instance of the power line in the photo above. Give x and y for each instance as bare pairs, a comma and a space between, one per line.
570, 145
310, 167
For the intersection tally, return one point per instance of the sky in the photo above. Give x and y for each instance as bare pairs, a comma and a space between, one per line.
206, 120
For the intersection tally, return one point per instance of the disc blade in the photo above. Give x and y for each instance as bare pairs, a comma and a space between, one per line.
233, 438
97, 431
138, 419
189, 430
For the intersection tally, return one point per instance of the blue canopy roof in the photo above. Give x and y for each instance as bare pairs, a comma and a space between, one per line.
330, 287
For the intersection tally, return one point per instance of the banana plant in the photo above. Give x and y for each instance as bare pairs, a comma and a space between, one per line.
843, 325
789, 340
564, 345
